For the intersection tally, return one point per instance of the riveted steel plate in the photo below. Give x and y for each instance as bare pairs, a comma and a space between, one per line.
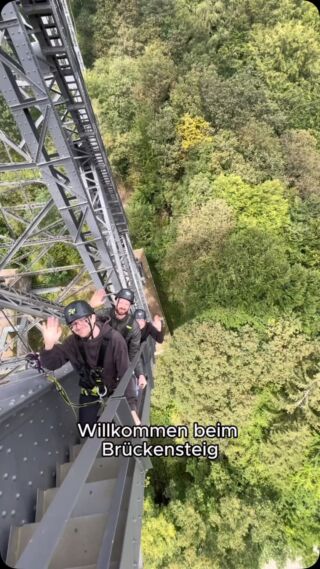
36, 429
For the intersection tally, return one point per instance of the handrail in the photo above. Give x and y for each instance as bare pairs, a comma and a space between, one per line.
108, 539
130, 554
132, 530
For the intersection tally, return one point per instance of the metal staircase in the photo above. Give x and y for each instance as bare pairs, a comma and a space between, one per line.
83, 535
85, 528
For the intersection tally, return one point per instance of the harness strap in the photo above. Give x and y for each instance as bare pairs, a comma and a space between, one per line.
128, 327
99, 388
34, 360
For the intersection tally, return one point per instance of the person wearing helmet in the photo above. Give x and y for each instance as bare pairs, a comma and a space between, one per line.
97, 352
155, 329
121, 319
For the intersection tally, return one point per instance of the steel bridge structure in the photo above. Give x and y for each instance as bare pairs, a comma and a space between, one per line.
63, 233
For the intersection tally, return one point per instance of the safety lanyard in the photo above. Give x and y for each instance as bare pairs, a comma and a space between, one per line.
34, 360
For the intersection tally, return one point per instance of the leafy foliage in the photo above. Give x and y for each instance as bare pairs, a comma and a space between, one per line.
302, 161
266, 383
193, 130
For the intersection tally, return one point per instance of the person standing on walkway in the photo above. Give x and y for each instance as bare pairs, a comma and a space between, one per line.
121, 319
97, 352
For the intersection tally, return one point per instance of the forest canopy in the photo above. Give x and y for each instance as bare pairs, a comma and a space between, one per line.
210, 112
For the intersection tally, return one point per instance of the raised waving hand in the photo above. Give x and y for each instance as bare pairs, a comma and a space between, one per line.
51, 332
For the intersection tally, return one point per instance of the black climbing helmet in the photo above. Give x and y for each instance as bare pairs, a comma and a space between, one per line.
127, 294
77, 309
140, 314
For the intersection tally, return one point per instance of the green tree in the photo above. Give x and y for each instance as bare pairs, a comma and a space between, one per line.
84, 15
115, 24
201, 235
231, 103
156, 72
303, 233
302, 161
230, 225
264, 206
268, 381
261, 150
287, 57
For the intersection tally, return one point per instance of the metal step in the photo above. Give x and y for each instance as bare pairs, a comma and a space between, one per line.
94, 499
75, 449
85, 567
79, 545
102, 469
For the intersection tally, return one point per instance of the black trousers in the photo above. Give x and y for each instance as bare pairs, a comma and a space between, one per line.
88, 414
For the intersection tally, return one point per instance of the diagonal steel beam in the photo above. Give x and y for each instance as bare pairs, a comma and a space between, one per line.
16, 68
41, 215
14, 146
28, 303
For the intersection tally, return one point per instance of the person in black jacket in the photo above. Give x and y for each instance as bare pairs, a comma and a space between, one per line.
121, 319
95, 350
155, 329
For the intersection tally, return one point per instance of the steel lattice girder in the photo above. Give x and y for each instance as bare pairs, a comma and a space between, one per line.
31, 310
83, 191
28, 303
90, 249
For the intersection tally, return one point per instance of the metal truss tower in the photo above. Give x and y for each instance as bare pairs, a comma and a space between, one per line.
57, 192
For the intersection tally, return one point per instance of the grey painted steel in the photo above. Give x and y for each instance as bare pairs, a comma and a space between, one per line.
28, 303
47, 536
140, 299
30, 229
35, 427
49, 270
71, 28
131, 552
76, 138
80, 542
47, 289
101, 469
95, 498
24, 304
60, 510
13, 145
123, 417
43, 86
11, 363
92, 250
105, 555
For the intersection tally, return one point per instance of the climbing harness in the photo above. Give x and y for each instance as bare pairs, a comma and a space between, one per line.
128, 327
33, 359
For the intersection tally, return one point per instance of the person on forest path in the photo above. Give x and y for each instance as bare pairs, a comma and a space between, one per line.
97, 352
121, 319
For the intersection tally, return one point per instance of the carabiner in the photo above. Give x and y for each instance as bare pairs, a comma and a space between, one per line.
102, 395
